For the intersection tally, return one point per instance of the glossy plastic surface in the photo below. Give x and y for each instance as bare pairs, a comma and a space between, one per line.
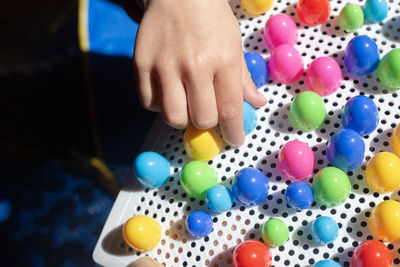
324, 76
324, 230
299, 195
142, 232
327, 263
313, 12
219, 198
389, 70
383, 172
361, 56
151, 169
199, 224
257, 67
361, 115
371, 253
384, 221
197, 177
250, 186
257, 7
249, 118
307, 111
395, 140
280, 29
252, 253
296, 160
331, 187
275, 233
201, 144
285, 64
345, 149
351, 17
375, 10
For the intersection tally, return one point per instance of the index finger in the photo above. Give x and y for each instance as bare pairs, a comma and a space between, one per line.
229, 97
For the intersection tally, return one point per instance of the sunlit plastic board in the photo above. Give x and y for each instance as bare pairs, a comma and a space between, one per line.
170, 205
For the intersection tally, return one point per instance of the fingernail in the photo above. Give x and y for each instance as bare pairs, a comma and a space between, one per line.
234, 137
234, 144
262, 96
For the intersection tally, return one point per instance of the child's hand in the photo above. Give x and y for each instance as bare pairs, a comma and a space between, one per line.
190, 65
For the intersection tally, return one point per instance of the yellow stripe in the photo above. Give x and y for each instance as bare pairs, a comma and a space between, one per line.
83, 27
83, 30
106, 176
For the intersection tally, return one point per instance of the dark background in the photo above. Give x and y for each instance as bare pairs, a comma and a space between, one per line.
59, 108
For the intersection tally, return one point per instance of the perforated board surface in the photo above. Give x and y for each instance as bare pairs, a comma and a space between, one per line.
170, 205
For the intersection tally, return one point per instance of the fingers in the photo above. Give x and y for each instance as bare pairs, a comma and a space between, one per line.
174, 104
145, 262
229, 96
201, 99
250, 92
148, 88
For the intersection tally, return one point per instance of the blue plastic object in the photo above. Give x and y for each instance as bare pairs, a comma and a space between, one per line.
5, 210
327, 263
250, 186
257, 68
299, 195
345, 149
324, 230
375, 10
361, 115
249, 118
151, 169
219, 198
361, 56
109, 30
199, 224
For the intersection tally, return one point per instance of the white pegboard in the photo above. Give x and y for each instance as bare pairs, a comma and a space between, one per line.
170, 204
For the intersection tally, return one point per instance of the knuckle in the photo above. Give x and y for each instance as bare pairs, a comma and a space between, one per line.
189, 68
164, 63
229, 59
141, 63
189, 63
175, 120
229, 115
205, 123
194, 65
